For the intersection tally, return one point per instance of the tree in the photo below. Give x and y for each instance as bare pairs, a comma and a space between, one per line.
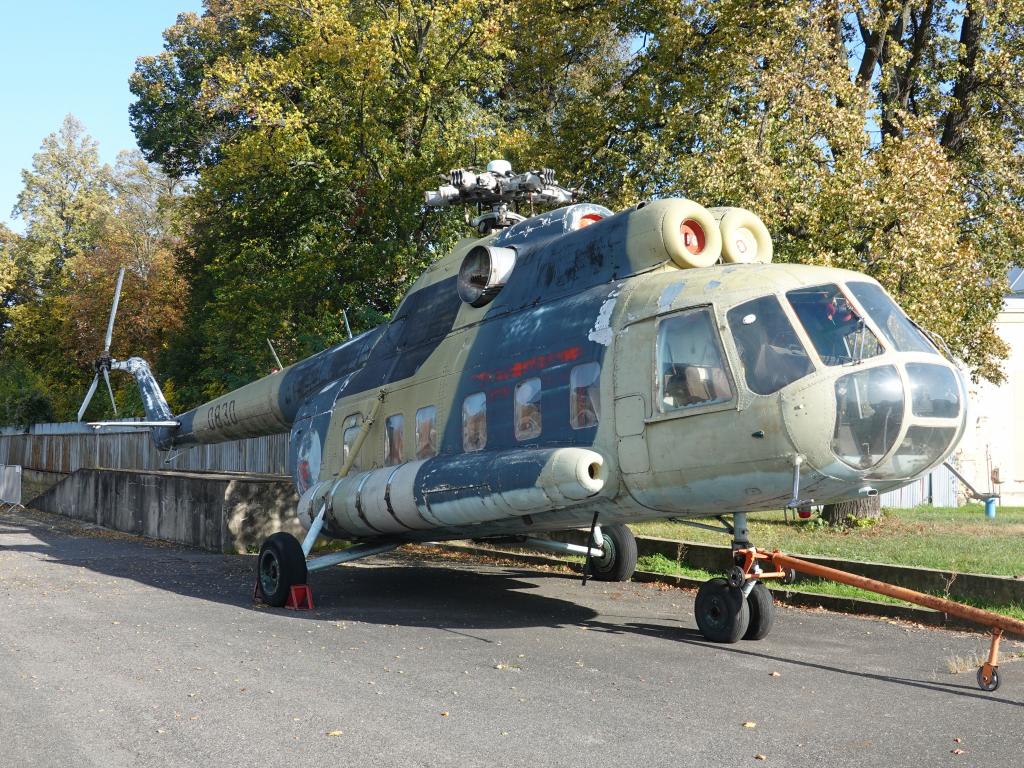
878, 135
83, 221
64, 201
312, 129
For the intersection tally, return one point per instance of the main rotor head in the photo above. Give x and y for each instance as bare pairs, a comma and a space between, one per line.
497, 188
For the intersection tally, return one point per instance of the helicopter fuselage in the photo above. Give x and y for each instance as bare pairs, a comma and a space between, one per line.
601, 378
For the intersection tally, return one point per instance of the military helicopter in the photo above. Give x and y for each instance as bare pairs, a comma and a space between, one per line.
581, 368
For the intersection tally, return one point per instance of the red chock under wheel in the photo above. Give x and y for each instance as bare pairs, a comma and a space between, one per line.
300, 598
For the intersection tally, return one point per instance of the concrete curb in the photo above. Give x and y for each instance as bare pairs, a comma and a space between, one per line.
782, 595
1002, 590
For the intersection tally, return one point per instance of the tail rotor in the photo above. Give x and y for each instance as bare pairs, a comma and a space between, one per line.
103, 362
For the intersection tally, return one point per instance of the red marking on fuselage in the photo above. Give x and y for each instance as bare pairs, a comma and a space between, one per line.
530, 365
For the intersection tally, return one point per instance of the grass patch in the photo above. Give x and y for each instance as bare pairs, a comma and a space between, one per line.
661, 564
958, 539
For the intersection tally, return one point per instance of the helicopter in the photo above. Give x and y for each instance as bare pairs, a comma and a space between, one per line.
583, 369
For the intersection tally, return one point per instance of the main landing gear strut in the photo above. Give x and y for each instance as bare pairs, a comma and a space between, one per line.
739, 606
284, 565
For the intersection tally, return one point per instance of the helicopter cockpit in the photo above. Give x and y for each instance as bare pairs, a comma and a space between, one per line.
898, 413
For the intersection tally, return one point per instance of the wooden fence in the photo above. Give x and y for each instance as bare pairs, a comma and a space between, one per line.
66, 447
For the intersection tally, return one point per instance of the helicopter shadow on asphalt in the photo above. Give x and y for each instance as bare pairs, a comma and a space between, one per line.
410, 592
381, 590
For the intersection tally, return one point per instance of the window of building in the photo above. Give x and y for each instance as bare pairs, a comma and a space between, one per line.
585, 395
770, 351
474, 422
426, 432
394, 440
527, 397
349, 432
691, 366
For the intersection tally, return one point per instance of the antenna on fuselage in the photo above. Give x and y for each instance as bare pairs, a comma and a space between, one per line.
348, 328
495, 190
274, 353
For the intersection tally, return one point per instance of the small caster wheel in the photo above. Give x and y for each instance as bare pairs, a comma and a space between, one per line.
762, 613
281, 566
991, 682
790, 576
721, 611
618, 560
737, 577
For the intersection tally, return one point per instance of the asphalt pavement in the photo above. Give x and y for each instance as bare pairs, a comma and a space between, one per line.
115, 651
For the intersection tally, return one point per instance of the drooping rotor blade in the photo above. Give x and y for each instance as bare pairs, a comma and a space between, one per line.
88, 396
106, 378
113, 312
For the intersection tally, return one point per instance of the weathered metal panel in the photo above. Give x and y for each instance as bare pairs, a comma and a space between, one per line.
938, 488
10, 484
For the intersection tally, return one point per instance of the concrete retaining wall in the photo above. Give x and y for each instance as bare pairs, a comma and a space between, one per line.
221, 512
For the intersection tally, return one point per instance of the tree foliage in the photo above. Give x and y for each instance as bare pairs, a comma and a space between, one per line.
83, 221
287, 143
877, 135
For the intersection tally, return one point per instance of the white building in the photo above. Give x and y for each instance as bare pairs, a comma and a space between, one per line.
993, 444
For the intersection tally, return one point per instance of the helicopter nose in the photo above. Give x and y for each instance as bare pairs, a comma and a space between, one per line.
892, 421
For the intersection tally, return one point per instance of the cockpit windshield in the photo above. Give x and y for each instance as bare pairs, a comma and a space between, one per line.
895, 325
837, 330
769, 348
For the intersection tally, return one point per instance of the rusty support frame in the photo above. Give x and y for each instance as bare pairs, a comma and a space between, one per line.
779, 563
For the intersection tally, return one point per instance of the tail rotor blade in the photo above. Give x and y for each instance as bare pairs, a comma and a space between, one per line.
113, 313
106, 378
88, 396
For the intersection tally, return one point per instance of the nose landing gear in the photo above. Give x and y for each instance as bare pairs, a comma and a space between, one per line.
735, 607
723, 617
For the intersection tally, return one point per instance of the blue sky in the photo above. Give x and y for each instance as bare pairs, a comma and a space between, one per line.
63, 56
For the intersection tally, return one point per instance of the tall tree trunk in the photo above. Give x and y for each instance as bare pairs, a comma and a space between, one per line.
869, 507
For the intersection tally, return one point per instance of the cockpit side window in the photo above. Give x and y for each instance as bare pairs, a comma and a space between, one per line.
837, 330
895, 325
691, 367
769, 348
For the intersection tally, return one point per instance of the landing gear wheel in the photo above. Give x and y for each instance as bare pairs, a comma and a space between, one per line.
618, 560
992, 683
762, 613
722, 612
281, 566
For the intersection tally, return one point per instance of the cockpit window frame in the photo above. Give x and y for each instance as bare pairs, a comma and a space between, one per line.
812, 348
658, 413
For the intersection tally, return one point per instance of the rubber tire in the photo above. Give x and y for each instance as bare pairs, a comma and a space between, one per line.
721, 611
762, 613
280, 566
991, 686
620, 542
